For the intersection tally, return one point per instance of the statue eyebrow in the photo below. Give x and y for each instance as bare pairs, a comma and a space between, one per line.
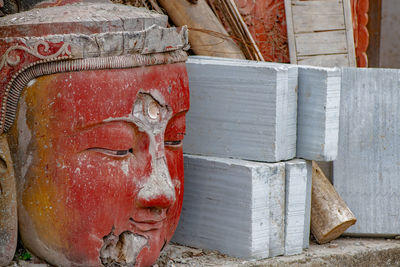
122, 119
116, 134
103, 123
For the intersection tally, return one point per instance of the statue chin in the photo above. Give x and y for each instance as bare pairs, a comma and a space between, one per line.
121, 250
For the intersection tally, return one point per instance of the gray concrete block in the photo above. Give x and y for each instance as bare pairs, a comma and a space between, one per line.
241, 109
297, 180
366, 172
277, 214
318, 113
227, 206
307, 218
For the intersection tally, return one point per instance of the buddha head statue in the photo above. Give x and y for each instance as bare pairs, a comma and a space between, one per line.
94, 97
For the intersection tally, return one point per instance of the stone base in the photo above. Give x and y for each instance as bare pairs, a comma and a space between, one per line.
340, 252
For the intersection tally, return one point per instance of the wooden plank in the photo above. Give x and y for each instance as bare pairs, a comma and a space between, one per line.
207, 36
321, 43
318, 23
335, 60
326, 15
230, 17
374, 29
290, 32
349, 34
321, 28
318, 6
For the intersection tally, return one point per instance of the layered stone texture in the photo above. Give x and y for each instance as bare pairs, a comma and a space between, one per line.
366, 172
241, 109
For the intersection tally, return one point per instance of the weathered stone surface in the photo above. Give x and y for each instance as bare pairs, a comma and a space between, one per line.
227, 208
8, 205
307, 217
81, 18
318, 113
297, 180
366, 172
241, 109
96, 147
341, 252
217, 104
277, 207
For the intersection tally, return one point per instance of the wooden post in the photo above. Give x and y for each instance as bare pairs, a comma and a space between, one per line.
207, 36
330, 216
374, 30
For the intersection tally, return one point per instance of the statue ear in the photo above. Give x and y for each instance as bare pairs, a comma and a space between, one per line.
8, 205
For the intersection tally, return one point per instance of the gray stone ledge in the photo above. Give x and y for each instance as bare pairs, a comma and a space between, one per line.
340, 252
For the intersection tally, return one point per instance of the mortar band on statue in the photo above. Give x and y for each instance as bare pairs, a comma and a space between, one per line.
38, 56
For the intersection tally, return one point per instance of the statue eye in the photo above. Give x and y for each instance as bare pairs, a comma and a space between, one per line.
111, 152
173, 144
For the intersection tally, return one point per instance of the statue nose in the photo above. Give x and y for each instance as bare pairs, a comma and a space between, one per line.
158, 191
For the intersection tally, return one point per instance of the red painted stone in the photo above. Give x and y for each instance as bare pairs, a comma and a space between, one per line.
97, 140
102, 168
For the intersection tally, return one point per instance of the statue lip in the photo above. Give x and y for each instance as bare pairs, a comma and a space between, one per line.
147, 225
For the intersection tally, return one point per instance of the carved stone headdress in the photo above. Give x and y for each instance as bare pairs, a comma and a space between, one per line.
81, 36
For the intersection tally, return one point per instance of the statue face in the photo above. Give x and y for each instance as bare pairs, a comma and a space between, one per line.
99, 164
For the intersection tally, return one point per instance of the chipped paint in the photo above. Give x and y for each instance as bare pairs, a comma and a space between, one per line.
125, 167
78, 174
121, 250
115, 159
31, 82
24, 138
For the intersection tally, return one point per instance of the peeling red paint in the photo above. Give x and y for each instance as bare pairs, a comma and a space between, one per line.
89, 192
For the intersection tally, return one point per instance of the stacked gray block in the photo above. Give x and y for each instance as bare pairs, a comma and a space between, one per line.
297, 216
226, 206
317, 107
276, 197
366, 172
248, 110
307, 217
318, 113
241, 109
